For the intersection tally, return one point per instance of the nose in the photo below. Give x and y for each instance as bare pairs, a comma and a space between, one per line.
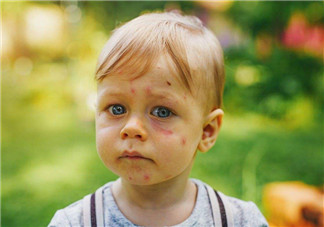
134, 129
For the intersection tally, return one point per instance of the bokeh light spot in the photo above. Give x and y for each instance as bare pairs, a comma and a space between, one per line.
73, 14
247, 75
23, 66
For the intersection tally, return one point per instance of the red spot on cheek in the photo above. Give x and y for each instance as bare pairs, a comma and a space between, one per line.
148, 90
158, 128
146, 177
130, 178
168, 83
183, 141
185, 97
166, 132
133, 90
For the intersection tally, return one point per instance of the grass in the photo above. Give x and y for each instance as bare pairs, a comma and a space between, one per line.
50, 161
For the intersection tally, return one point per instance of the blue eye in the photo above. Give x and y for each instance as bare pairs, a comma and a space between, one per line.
161, 112
116, 109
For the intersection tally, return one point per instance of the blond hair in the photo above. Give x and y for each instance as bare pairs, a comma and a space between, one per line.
195, 52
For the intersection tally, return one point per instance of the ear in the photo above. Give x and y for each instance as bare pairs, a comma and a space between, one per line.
211, 130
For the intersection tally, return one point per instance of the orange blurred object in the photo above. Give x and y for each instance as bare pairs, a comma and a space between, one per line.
293, 204
263, 44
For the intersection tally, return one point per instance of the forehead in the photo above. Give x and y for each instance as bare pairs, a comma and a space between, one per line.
162, 74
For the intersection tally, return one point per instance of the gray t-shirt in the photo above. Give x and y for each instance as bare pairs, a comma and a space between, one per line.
245, 214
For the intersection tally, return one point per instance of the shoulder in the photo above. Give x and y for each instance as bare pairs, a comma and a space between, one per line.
239, 212
68, 216
245, 213
71, 215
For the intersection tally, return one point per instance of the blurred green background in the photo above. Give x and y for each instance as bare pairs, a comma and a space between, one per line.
273, 101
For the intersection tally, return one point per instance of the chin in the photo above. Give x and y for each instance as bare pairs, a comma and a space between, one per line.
142, 180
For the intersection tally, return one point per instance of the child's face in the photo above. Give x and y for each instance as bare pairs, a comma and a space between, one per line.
148, 128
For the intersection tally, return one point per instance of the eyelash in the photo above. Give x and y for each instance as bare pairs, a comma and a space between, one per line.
170, 113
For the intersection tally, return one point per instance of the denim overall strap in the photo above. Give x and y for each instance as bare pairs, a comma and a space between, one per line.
222, 214
93, 209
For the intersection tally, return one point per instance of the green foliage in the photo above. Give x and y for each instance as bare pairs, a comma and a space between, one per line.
284, 76
285, 73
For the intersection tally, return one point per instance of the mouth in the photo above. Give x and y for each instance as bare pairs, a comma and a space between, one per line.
133, 155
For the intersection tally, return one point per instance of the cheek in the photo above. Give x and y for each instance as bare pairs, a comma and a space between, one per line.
160, 129
146, 177
169, 135
106, 133
165, 132
105, 139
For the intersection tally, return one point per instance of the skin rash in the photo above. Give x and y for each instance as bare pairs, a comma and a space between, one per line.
183, 141
148, 90
133, 123
162, 130
146, 177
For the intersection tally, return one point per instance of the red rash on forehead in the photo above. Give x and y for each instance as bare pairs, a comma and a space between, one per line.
148, 90
183, 141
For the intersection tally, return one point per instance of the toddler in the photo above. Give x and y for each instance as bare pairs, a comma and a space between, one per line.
160, 81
